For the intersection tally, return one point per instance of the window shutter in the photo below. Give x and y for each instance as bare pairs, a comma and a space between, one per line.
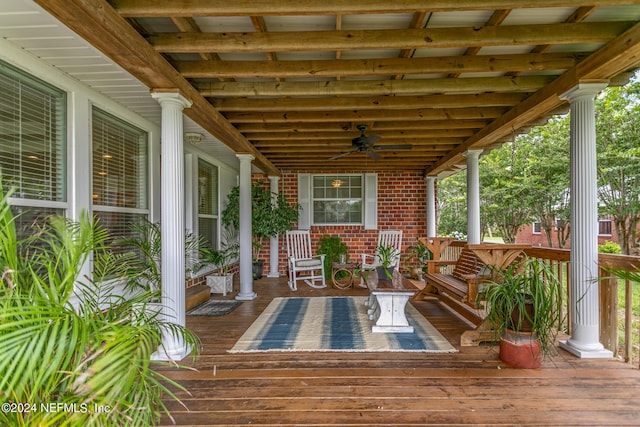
370, 201
304, 199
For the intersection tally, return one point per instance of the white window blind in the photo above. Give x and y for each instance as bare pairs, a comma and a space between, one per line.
120, 170
32, 138
208, 202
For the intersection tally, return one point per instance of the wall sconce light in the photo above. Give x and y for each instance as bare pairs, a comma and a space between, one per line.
193, 138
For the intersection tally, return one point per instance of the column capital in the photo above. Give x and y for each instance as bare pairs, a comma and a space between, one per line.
174, 97
245, 157
473, 153
584, 89
430, 178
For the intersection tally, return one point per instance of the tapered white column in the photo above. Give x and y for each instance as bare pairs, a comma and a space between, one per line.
585, 327
473, 197
245, 232
274, 241
431, 206
172, 220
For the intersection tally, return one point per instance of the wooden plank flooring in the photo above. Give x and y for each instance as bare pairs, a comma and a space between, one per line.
471, 387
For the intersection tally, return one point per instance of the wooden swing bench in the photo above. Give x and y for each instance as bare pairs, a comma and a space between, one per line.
459, 289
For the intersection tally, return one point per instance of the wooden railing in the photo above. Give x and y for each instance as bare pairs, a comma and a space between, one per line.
616, 325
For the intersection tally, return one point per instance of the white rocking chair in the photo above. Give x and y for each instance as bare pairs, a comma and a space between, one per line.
301, 260
391, 238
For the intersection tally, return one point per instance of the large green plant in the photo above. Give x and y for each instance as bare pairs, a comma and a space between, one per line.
267, 219
525, 293
67, 340
332, 247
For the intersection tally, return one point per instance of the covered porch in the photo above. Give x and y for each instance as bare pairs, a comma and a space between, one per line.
470, 387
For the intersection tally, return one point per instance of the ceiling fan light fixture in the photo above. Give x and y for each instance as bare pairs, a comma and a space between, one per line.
337, 183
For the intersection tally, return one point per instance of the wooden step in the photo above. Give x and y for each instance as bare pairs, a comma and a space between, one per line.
196, 295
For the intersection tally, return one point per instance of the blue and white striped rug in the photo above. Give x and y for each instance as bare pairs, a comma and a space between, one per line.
333, 324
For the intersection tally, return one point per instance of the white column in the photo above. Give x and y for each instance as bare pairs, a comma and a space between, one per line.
431, 206
274, 241
473, 197
585, 327
246, 231
172, 220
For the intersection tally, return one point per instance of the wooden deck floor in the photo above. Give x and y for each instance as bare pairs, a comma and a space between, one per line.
471, 387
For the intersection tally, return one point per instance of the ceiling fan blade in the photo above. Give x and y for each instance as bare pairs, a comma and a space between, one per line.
371, 139
394, 147
373, 155
343, 154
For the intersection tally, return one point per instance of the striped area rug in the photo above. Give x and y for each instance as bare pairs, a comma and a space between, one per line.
333, 324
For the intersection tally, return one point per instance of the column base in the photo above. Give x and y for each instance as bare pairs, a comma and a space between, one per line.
597, 352
273, 275
246, 297
173, 354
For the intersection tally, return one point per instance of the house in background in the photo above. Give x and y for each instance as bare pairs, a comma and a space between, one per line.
533, 234
102, 95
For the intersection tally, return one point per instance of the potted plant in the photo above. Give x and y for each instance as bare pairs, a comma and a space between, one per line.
418, 255
334, 249
269, 217
524, 306
387, 256
221, 260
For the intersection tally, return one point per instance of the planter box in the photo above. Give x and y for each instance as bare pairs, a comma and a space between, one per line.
220, 284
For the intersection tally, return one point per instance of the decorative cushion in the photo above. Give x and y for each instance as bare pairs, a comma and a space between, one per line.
308, 263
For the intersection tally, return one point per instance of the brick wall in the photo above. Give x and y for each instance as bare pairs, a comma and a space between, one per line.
401, 206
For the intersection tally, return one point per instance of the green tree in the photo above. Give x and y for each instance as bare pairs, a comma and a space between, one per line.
504, 190
451, 207
545, 151
618, 134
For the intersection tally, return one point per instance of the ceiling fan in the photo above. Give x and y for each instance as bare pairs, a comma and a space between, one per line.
365, 144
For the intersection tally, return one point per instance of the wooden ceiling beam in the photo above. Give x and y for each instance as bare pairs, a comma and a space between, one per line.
377, 67
369, 115
163, 8
374, 87
338, 127
513, 35
374, 103
386, 135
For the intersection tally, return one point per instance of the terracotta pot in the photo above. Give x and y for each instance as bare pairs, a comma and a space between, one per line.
520, 349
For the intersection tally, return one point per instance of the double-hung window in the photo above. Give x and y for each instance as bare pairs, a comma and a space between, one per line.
208, 202
32, 146
120, 171
337, 199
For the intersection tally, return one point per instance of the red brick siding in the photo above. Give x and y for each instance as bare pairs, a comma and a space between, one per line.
401, 206
527, 236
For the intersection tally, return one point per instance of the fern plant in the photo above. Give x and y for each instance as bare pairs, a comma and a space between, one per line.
72, 342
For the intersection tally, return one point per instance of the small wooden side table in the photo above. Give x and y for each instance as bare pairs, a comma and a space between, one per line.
342, 274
